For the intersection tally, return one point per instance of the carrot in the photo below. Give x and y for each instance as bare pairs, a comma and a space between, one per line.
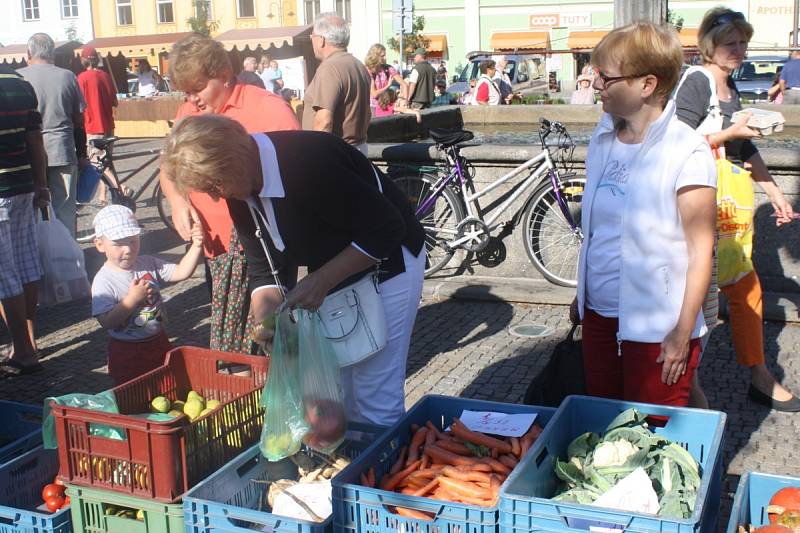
400, 461
416, 442
408, 491
413, 513
529, 438
430, 436
414, 428
483, 502
495, 453
433, 429
440, 455
465, 474
425, 474
453, 446
390, 482
464, 488
428, 488
426, 460
494, 485
509, 460
496, 465
463, 432
515, 447
371, 476
525, 445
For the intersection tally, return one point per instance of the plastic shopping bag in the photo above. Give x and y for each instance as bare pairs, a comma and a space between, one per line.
63, 270
302, 398
284, 425
88, 180
103, 401
735, 208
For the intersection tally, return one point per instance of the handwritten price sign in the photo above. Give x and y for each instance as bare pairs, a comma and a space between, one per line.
503, 424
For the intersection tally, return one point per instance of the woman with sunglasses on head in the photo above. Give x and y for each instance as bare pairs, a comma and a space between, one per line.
648, 225
706, 99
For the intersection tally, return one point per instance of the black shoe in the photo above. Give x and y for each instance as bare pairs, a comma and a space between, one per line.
788, 406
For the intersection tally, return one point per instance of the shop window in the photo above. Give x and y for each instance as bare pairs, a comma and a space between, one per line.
312, 9
245, 8
166, 15
69, 9
124, 13
343, 9
30, 9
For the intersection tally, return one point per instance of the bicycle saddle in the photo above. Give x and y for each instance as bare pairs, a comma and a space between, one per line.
101, 144
447, 138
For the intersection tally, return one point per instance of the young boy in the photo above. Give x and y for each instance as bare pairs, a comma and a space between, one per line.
126, 297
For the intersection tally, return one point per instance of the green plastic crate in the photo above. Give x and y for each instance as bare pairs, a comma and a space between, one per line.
89, 507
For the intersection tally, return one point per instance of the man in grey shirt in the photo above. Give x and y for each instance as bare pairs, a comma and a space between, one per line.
61, 106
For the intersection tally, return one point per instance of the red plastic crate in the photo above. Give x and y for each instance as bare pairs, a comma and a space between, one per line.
162, 460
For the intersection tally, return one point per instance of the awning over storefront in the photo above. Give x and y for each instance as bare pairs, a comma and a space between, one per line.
520, 40
437, 43
265, 37
137, 45
19, 52
689, 37
585, 40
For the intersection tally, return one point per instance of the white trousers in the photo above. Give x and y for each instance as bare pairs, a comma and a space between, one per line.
374, 389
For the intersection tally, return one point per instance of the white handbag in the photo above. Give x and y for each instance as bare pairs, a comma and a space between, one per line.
352, 318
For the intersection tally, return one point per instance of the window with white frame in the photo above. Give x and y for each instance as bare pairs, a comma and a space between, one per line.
165, 12
312, 9
245, 8
69, 9
124, 13
343, 9
30, 9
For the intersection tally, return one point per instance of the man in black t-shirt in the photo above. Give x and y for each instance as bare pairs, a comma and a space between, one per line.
23, 183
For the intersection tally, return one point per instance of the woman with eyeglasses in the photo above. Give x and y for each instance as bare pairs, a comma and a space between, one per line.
706, 99
648, 225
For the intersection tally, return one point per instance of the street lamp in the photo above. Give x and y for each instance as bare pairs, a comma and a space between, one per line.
279, 5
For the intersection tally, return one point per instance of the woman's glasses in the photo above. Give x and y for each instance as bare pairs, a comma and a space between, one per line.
727, 18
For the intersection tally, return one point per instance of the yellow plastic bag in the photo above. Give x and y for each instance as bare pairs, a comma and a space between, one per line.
735, 209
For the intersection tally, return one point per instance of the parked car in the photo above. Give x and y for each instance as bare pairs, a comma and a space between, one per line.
526, 72
756, 74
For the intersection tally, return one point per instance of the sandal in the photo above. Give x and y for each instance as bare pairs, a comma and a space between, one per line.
12, 369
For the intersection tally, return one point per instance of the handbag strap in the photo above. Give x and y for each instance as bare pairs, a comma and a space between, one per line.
258, 220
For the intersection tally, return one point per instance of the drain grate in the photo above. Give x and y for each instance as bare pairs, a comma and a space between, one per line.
530, 330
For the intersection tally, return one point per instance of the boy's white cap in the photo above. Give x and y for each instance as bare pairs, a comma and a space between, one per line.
116, 222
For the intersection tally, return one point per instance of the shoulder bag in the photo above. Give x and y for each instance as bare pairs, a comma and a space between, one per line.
352, 318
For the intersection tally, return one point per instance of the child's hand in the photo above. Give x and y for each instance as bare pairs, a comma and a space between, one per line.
197, 235
138, 292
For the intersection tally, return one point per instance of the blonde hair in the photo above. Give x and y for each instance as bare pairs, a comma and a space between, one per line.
196, 59
711, 34
641, 49
203, 150
373, 60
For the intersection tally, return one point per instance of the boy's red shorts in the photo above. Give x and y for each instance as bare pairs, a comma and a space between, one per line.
129, 360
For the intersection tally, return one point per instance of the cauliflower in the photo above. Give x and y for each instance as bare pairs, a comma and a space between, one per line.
614, 453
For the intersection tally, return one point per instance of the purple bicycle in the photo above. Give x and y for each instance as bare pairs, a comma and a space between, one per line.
446, 203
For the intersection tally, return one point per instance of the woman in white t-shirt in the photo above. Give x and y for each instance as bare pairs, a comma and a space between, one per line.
149, 79
648, 219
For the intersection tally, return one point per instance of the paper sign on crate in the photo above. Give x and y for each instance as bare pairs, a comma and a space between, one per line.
506, 425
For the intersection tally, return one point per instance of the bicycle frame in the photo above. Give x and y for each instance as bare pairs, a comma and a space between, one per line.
540, 164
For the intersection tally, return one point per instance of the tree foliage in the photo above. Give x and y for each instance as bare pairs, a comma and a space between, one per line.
202, 22
411, 41
676, 21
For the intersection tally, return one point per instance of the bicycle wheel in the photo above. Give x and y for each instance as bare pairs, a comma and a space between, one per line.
439, 220
552, 245
164, 209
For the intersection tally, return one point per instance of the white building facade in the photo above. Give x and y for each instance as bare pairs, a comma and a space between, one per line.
364, 17
63, 20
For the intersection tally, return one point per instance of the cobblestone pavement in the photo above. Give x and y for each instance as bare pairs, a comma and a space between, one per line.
459, 348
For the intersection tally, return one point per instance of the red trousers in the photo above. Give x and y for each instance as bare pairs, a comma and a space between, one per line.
129, 360
634, 375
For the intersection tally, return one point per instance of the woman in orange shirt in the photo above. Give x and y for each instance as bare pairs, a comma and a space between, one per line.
200, 67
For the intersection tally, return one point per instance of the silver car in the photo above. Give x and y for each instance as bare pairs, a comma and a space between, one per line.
756, 75
526, 72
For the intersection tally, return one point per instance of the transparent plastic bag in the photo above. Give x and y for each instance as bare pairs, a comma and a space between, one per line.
302, 398
284, 425
63, 271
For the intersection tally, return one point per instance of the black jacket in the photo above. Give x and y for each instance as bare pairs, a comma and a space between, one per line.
331, 200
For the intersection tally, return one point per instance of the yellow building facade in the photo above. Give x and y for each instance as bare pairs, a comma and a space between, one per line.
139, 18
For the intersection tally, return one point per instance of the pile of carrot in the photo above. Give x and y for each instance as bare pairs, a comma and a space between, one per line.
440, 465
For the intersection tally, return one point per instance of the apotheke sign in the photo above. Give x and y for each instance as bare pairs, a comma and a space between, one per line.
560, 20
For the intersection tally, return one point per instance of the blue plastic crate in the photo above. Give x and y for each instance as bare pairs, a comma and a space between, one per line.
228, 501
362, 509
752, 498
524, 500
20, 429
21, 483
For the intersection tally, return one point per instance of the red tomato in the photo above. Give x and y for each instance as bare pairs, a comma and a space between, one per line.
53, 490
54, 503
57, 481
